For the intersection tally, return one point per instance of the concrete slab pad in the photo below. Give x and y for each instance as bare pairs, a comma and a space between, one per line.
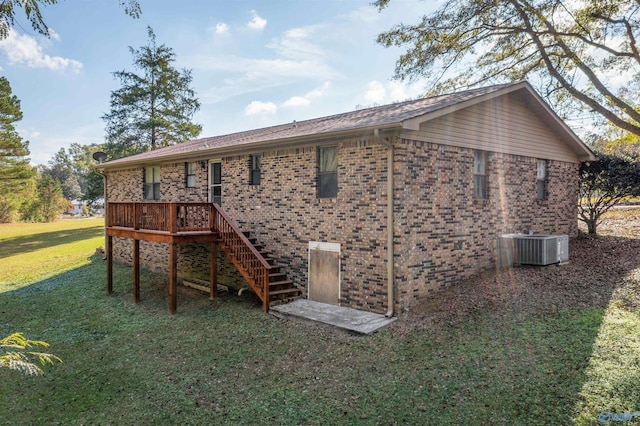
338, 316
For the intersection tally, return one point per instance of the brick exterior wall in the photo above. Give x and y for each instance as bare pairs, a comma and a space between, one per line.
442, 235
285, 214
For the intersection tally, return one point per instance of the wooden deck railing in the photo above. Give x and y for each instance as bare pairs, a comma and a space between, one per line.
162, 217
176, 218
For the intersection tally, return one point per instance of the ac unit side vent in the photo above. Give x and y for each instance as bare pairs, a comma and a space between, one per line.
541, 249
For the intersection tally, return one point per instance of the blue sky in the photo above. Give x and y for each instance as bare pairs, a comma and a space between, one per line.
254, 63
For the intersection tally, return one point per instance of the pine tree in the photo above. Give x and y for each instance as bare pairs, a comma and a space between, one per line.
154, 108
16, 175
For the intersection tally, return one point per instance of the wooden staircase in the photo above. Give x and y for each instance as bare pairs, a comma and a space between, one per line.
281, 288
254, 263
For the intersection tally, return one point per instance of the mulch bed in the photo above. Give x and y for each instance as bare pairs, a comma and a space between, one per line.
600, 269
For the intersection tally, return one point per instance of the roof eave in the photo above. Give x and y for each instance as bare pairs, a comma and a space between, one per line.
271, 144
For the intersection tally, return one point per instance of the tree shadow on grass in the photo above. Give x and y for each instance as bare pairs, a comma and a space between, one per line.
521, 342
24, 244
509, 347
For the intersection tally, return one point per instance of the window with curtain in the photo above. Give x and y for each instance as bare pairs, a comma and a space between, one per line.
152, 183
327, 172
541, 180
479, 174
190, 171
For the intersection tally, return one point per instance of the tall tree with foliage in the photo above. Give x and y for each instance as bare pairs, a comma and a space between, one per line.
82, 162
153, 108
604, 184
47, 202
16, 175
570, 50
61, 169
32, 12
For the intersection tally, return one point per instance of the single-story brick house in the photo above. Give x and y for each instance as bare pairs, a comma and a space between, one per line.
370, 209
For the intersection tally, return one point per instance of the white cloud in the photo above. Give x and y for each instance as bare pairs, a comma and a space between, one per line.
301, 54
251, 75
257, 23
257, 107
320, 91
296, 102
376, 92
54, 35
221, 28
393, 91
303, 101
299, 43
25, 50
364, 14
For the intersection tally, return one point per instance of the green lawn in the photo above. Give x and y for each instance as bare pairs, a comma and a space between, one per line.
30, 252
527, 346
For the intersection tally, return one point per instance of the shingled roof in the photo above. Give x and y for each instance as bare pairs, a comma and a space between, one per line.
392, 115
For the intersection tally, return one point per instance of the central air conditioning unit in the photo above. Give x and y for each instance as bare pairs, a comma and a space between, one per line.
532, 249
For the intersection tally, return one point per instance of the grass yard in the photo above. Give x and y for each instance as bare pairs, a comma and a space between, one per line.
30, 252
555, 345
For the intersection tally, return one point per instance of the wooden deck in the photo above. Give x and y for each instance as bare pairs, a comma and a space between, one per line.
190, 223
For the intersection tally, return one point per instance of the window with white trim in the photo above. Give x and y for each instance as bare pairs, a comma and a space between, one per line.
190, 175
328, 172
254, 170
541, 179
152, 183
479, 174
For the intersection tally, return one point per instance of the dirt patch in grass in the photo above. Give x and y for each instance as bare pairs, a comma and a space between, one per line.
598, 267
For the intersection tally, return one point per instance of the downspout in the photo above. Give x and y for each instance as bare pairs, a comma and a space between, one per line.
390, 220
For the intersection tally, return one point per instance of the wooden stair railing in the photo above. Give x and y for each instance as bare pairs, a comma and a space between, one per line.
257, 270
253, 263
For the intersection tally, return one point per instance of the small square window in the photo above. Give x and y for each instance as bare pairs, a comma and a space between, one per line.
479, 174
255, 172
190, 171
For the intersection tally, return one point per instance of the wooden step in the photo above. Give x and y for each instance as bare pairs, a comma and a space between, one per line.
281, 288
291, 290
284, 283
274, 269
277, 276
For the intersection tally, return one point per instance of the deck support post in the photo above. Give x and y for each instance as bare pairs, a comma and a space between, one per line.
265, 291
213, 270
108, 251
173, 277
136, 270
